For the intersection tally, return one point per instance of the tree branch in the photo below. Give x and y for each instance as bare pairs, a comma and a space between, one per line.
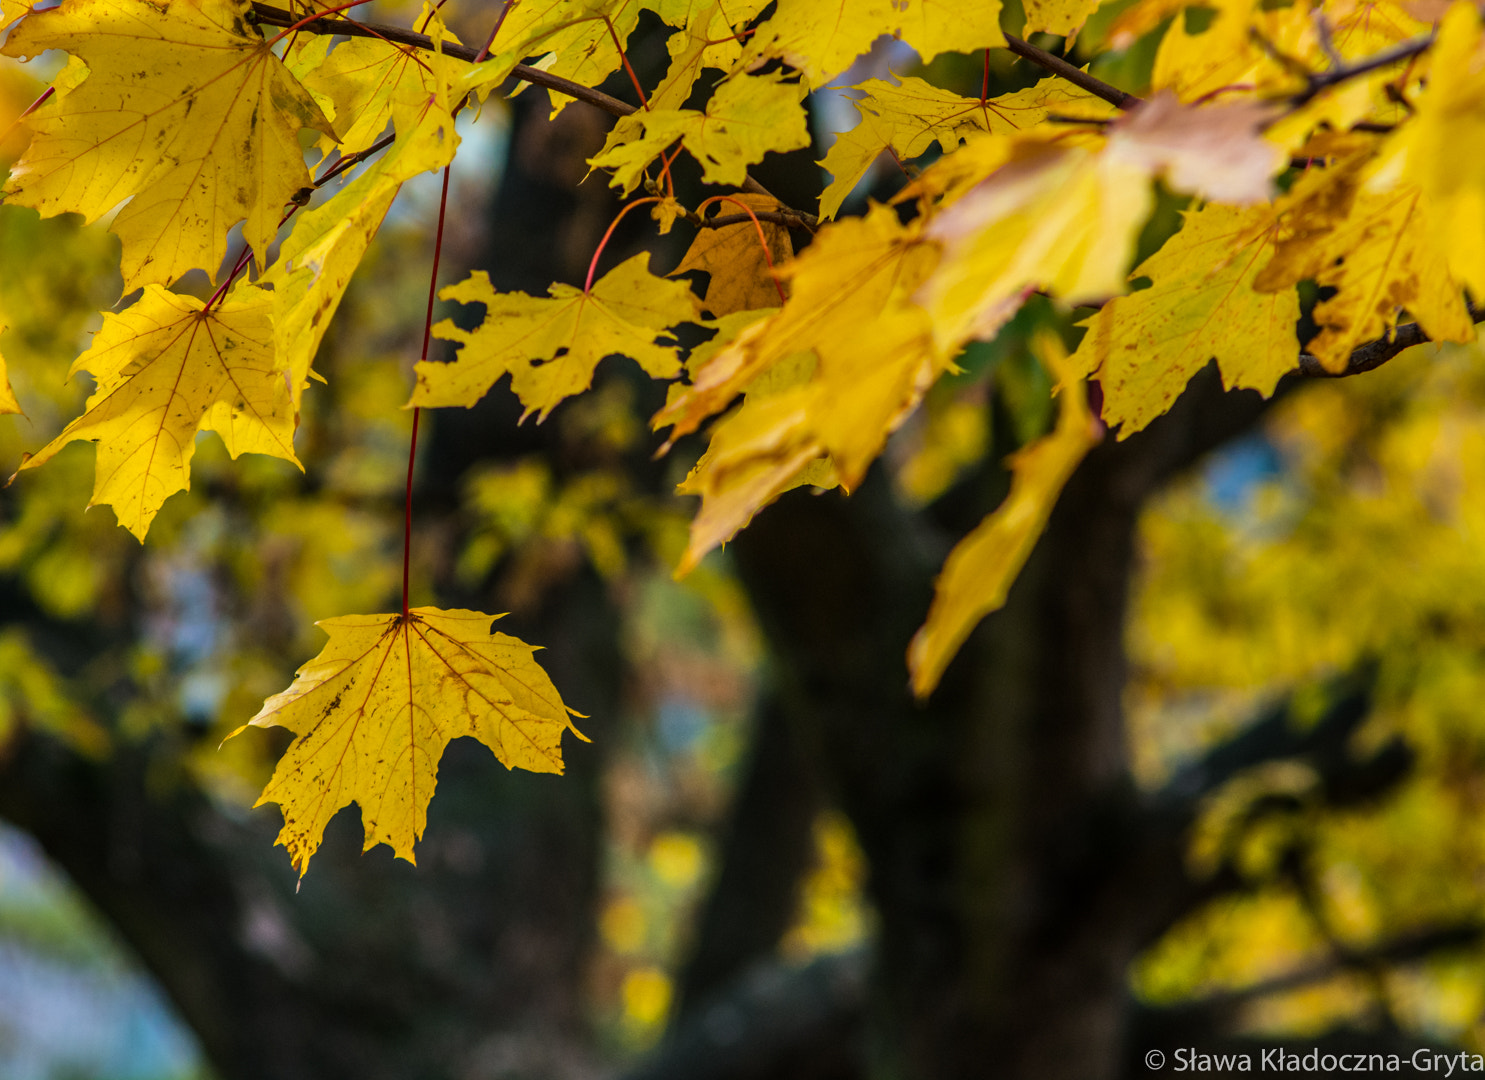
1374, 354
1060, 67
274, 16
1324, 80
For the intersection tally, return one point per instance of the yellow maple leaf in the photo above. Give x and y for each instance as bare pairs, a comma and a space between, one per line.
550, 346
166, 369
318, 258
185, 111
375, 710
747, 117
708, 41
823, 39
1448, 115
1375, 248
912, 116
371, 82
827, 378
979, 571
1144, 348
741, 278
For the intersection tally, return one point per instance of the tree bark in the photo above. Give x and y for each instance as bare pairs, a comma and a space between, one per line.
998, 818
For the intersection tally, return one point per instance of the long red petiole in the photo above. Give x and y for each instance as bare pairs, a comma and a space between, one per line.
762, 241
593, 262
31, 108
665, 161
412, 449
644, 102
412, 446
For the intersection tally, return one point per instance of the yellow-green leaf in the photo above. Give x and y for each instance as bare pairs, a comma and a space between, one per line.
848, 304
550, 346
1144, 348
185, 112
166, 369
375, 710
11, 10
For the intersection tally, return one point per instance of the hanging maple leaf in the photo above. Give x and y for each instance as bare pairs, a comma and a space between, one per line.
741, 278
748, 117
550, 346
1144, 348
978, 573
912, 115
185, 112
375, 710
167, 368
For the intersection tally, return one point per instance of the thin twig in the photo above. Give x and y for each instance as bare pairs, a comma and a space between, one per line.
773, 217
1324, 80
273, 16
1060, 67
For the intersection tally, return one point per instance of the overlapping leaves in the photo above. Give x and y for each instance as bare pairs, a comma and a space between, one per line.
181, 113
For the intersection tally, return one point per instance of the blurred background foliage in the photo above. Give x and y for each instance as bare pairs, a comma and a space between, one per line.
1333, 551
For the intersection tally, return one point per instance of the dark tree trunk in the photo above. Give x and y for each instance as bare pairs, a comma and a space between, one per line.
998, 818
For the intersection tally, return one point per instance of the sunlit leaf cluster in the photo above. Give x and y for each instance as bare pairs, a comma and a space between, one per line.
1314, 147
